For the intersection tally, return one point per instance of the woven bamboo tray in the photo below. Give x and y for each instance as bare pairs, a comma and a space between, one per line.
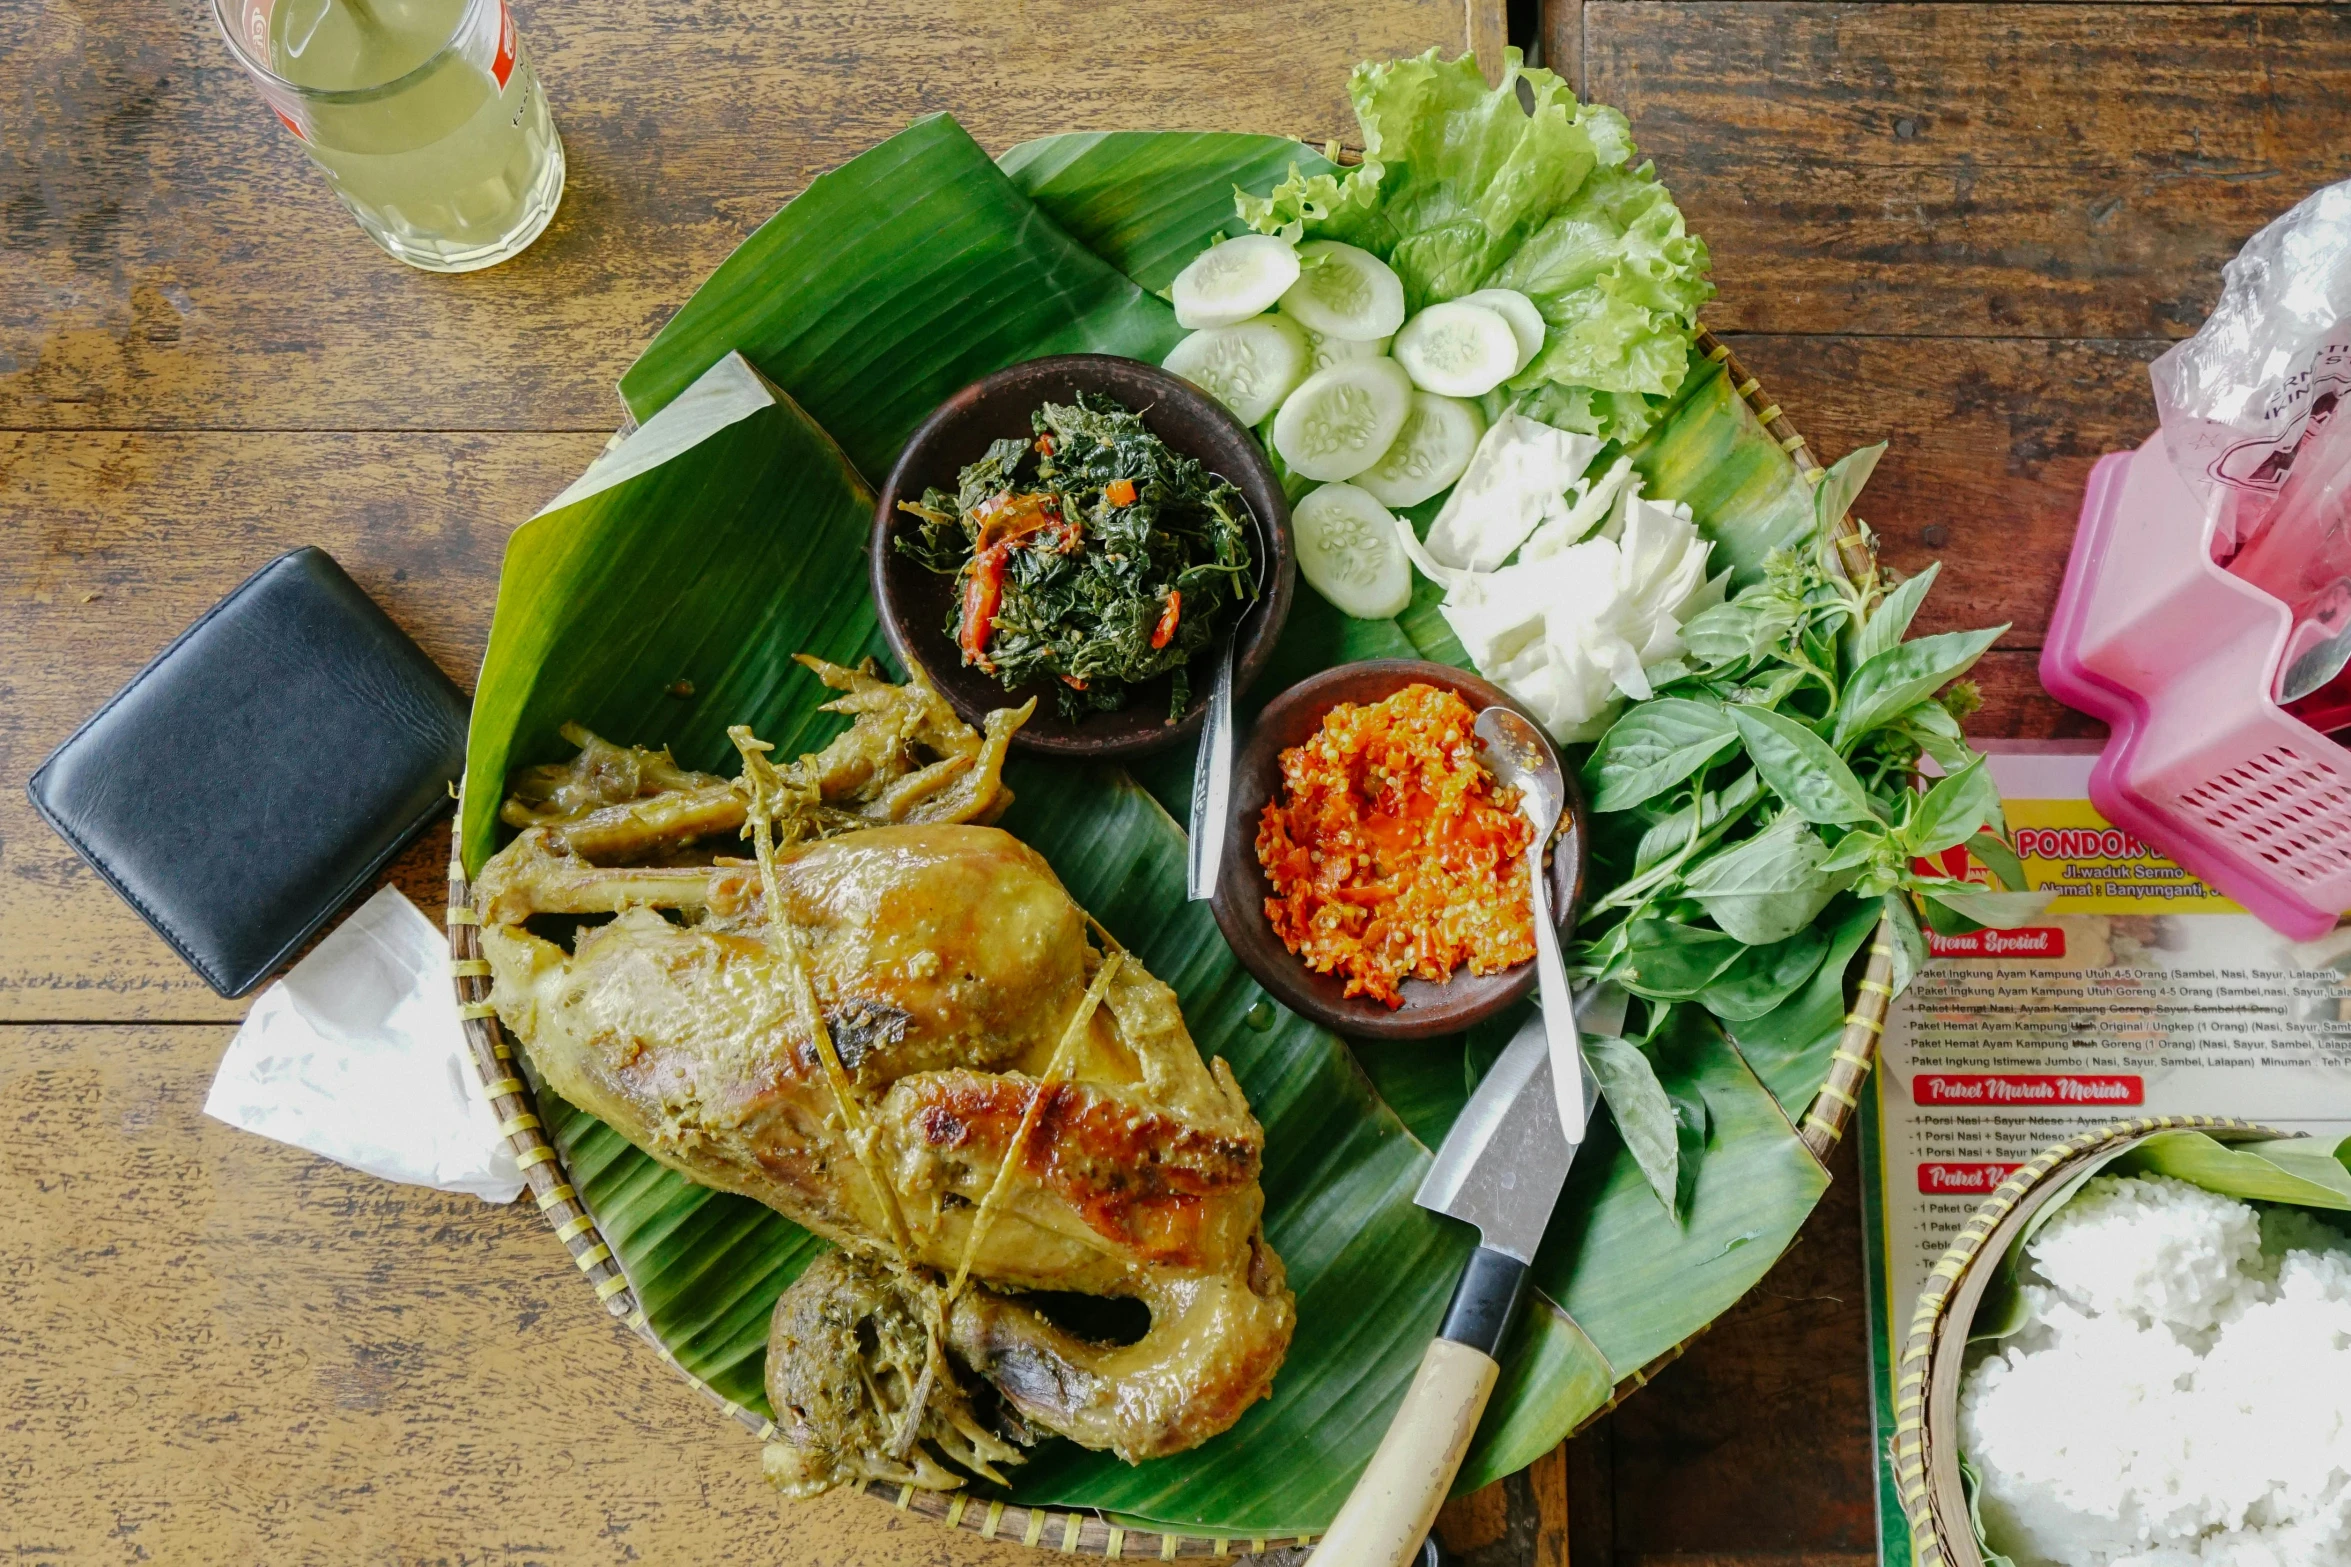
1926, 1385
1087, 1533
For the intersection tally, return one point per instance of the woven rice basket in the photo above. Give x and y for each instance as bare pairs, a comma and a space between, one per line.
1082, 1533
1926, 1386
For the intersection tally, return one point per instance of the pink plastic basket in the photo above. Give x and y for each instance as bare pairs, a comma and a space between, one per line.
2180, 658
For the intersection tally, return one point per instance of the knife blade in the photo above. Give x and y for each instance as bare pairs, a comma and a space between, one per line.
1501, 1168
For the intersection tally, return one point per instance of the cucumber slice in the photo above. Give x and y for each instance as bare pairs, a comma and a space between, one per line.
1324, 350
1249, 368
1347, 551
1345, 292
1526, 322
1341, 420
1438, 439
1458, 350
1227, 284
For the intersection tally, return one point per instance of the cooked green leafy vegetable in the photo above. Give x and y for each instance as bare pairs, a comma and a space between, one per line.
1518, 186
1093, 556
1764, 798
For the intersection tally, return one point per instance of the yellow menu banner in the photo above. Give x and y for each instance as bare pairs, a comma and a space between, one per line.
2097, 868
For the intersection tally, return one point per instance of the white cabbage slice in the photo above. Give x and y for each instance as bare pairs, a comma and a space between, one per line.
1572, 627
1516, 481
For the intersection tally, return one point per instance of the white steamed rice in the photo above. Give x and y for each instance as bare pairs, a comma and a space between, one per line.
2181, 1395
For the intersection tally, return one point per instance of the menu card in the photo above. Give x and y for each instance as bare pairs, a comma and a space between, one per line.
2141, 992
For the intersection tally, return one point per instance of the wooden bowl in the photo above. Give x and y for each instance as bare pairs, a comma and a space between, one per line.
1241, 888
914, 603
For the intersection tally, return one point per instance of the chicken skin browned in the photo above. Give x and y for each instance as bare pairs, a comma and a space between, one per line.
992, 1105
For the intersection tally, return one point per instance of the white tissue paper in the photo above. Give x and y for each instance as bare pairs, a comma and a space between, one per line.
358, 1054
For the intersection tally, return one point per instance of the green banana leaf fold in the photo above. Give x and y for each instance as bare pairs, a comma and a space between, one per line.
660, 599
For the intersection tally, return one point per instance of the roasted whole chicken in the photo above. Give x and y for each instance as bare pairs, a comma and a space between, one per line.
889, 1024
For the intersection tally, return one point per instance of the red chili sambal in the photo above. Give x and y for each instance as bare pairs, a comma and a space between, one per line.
1392, 851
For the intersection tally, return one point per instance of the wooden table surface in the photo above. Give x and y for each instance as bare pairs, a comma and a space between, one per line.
1965, 227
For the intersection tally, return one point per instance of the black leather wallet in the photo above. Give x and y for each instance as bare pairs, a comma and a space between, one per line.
261, 770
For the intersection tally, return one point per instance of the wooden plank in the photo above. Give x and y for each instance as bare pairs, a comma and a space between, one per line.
1990, 443
218, 1348
1488, 30
1757, 1441
125, 539
2016, 708
1473, 1522
1591, 1496
1547, 1481
1562, 29
171, 260
2034, 170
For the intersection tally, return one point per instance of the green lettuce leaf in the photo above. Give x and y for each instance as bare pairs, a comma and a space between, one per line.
1463, 187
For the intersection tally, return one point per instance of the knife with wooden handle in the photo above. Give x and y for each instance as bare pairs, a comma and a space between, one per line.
1501, 1168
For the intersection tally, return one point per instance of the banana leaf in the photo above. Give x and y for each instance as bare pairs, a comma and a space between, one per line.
1147, 201
893, 281
660, 598
605, 621
1617, 1265
2305, 1172
1713, 453
1790, 1045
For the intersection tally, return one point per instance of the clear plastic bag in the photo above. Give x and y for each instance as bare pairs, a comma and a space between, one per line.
2249, 410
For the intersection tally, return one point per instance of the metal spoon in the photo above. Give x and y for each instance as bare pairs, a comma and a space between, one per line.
1515, 752
2324, 636
1212, 769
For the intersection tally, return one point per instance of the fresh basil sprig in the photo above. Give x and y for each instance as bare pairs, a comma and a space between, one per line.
1765, 794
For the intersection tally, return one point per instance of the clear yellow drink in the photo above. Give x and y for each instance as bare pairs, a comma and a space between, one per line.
425, 115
